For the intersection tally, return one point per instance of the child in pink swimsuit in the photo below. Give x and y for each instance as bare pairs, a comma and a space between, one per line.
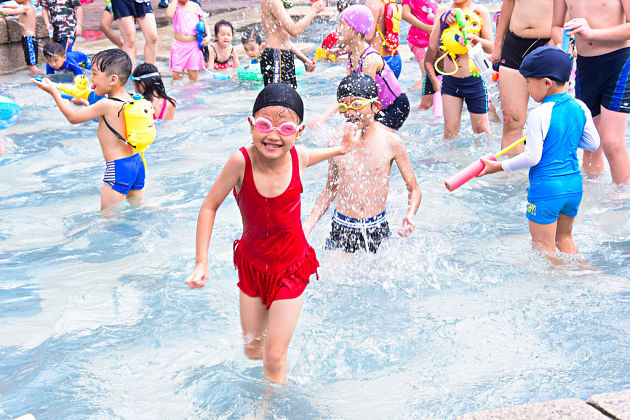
185, 51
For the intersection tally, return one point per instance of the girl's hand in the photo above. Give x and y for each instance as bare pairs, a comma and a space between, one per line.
198, 278
491, 167
46, 85
351, 137
408, 226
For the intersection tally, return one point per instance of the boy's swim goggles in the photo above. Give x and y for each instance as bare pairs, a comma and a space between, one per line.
357, 104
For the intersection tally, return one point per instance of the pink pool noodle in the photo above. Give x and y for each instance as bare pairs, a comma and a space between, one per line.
437, 105
468, 173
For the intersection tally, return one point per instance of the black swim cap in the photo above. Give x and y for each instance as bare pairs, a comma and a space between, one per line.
358, 85
280, 94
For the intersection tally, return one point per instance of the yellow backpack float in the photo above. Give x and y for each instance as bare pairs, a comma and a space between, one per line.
139, 124
393, 17
466, 22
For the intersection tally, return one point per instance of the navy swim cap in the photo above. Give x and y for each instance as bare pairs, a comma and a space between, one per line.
357, 85
280, 94
549, 62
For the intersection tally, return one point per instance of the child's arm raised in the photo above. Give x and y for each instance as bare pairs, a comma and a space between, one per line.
229, 177
73, 115
350, 139
295, 28
171, 9
414, 193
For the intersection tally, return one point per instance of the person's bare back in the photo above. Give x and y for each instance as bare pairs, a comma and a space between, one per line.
278, 25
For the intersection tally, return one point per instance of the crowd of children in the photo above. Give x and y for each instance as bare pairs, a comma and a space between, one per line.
273, 258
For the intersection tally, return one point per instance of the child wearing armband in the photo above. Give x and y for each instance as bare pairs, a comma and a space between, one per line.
147, 81
555, 130
458, 85
185, 52
273, 258
124, 173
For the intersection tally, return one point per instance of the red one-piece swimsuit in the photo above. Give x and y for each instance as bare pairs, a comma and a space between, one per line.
273, 259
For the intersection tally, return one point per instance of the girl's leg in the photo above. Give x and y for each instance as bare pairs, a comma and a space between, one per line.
254, 324
564, 235
452, 115
109, 197
480, 123
106, 27
193, 74
283, 316
544, 239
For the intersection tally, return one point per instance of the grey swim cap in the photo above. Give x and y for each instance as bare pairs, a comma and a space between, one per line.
357, 85
280, 94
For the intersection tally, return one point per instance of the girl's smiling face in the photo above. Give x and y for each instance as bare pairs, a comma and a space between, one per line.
272, 144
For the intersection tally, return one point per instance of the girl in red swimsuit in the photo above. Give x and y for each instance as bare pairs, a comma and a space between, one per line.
273, 259
222, 51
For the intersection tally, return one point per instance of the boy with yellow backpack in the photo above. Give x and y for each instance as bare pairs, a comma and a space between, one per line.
123, 136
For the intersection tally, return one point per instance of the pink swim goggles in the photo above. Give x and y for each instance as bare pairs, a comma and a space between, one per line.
264, 125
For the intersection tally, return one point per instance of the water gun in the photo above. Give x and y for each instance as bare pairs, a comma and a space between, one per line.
79, 89
475, 168
328, 43
489, 76
393, 17
430, 14
200, 30
466, 22
139, 124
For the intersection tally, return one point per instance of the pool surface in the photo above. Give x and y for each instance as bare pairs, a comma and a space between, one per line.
96, 321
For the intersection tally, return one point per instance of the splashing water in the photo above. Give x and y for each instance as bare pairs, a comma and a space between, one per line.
96, 320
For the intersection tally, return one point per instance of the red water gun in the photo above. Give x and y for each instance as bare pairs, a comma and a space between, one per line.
327, 44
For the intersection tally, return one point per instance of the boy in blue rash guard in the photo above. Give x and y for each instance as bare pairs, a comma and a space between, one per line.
555, 130
59, 60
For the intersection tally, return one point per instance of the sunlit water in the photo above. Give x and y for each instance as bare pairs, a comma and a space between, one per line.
96, 321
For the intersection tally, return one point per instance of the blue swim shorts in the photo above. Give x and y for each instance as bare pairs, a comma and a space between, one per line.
602, 80
545, 212
125, 174
471, 89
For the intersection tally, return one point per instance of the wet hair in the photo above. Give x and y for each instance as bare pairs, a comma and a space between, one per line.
113, 61
220, 23
52, 48
357, 85
251, 35
280, 94
152, 87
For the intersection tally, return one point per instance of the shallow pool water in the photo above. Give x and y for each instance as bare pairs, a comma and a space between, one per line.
96, 321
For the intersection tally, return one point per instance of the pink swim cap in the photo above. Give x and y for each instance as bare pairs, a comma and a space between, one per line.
359, 17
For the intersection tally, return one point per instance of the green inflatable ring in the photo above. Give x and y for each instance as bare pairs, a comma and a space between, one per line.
251, 72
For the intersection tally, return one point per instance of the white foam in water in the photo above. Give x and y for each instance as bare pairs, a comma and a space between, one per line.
96, 321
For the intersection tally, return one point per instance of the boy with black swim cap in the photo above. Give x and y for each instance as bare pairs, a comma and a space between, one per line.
273, 258
555, 130
359, 180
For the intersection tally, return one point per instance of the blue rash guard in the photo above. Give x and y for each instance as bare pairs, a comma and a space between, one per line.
75, 61
555, 130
